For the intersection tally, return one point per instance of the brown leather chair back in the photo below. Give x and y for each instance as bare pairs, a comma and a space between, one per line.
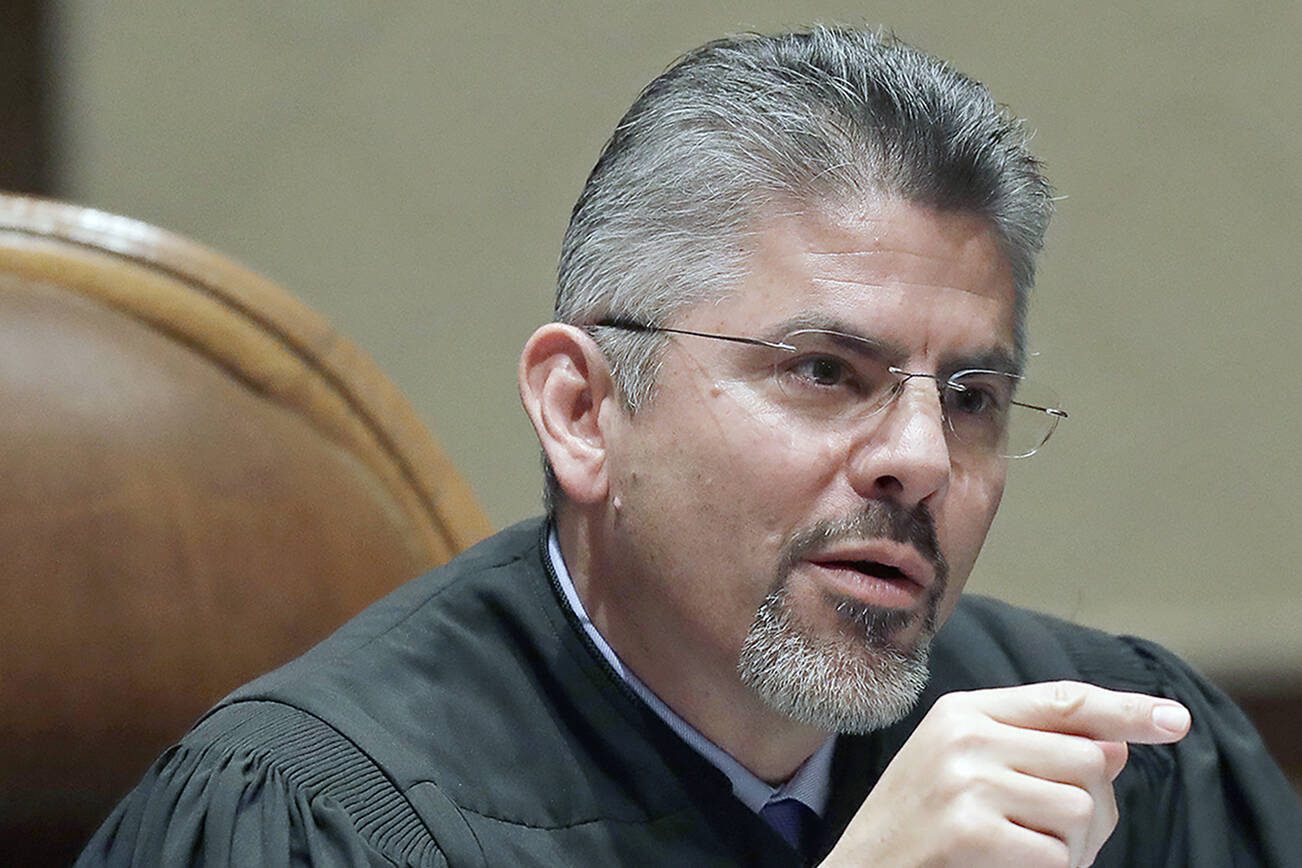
199, 478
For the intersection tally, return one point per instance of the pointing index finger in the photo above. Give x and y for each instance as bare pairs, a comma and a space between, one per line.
1076, 708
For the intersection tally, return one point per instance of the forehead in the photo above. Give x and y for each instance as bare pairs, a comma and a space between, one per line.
916, 276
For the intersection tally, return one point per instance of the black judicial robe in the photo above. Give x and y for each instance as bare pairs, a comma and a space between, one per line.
466, 720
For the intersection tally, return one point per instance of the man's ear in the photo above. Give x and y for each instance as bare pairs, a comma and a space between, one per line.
565, 387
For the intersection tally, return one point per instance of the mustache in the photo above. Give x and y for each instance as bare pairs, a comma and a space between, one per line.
878, 519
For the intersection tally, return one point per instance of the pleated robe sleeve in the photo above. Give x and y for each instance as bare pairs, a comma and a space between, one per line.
1216, 798
267, 785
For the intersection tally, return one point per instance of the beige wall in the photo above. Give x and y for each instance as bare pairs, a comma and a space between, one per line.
407, 168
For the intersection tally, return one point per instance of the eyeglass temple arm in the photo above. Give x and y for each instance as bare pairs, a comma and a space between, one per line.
1052, 411
635, 326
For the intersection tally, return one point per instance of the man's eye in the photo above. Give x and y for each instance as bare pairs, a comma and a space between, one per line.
823, 371
972, 400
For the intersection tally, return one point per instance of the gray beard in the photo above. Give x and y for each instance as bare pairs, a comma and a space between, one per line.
855, 679
847, 682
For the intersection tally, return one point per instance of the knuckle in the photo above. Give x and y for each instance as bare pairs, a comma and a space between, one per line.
968, 739
972, 827
1109, 824
1065, 698
957, 780
984, 784
1078, 807
948, 707
1057, 854
1100, 836
1042, 851
1107, 811
1052, 852
1093, 761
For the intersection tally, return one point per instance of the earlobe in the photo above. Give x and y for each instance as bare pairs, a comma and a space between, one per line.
565, 386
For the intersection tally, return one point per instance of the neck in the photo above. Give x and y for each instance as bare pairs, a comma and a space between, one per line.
696, 678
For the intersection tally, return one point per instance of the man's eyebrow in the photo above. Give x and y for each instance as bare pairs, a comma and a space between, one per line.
994, 359
826, 322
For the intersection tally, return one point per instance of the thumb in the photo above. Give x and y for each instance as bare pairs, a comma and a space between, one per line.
1115, 754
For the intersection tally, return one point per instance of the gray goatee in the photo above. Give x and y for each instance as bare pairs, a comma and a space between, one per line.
856, 678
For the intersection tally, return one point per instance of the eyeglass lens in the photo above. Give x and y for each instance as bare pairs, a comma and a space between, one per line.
834, 378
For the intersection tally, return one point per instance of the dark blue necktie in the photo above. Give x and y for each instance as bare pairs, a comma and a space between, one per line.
791, 819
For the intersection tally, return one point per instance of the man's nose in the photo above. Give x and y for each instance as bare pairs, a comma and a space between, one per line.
905, 456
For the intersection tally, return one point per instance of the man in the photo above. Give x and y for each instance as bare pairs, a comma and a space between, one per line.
777, 408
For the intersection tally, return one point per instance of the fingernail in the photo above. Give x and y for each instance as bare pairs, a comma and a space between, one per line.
1171, 717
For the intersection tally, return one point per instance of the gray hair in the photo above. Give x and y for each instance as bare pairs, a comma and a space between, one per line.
750, 123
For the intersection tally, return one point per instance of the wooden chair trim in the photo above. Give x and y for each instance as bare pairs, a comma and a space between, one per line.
261, 334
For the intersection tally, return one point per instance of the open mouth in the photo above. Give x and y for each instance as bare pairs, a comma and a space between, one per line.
869, 568
873, 582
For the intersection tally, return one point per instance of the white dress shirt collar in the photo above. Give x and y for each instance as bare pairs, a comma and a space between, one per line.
809, 785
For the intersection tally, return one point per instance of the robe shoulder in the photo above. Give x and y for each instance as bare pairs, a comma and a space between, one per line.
262, 783
1216, 798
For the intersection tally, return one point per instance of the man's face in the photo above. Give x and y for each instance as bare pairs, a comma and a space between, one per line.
857, 537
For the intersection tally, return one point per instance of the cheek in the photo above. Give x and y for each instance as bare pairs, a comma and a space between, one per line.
754, 466
969, 509
703, 471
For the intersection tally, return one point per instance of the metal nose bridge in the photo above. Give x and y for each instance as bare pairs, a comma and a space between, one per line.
942, 384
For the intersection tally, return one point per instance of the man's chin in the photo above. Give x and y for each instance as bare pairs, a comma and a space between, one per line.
878, 628
861, 673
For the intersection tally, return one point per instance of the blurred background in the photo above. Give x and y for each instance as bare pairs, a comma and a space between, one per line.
407, 169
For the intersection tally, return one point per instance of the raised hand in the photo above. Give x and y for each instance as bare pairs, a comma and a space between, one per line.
1009, 776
